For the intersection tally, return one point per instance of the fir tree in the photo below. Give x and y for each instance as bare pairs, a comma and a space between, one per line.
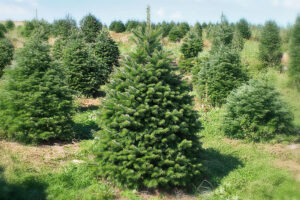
84, 71
270, 45
243, 28
294, 53
6, 53
256, 112
222, 33
191, 45
106, 49
219, 75
91, 27
117, 26
10, 25
148, 125
35, 103
198, 29
64, 27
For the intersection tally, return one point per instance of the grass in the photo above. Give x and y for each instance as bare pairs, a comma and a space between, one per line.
233, 169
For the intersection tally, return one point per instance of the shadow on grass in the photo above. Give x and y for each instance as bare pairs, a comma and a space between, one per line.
28, 189
216, 167
85, 127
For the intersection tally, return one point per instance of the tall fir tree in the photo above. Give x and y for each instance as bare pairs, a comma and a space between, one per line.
270, 45
294, 53
35, 103
222, 33
148, 125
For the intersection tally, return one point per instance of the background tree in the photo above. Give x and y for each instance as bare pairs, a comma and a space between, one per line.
84, 71
64, 27
294, 53
131, 25
90, 26
243, 28
219, 75
198, 29
2, 30
106, 49
222, 33
40, 27
117, 26
9, 24
35, 103
148, 125
175, 35
270, 45
191, 46
6, 53
256, 112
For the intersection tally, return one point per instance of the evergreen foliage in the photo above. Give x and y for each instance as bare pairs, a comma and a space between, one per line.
106, 49
57, 48
64, 27
131, 25
90, 27
39, 27
243, 28
191, 45
84, 71
166, 28
175, 35
6, 53
222, 33
294, 53
9, 24
117, 26
3, 28
35, 103
238, 41
148, 125
198, 29
270, 45
219, 75
256, 112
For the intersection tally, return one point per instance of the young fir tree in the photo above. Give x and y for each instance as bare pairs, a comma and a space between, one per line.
198, 29
256, 112
117, 26
10, 25
6, 53
106, 49
243, 28
190, 48
84, 71
90, 27
294, 53
270, 45
35, 103
222, 34
219, 75
148, 125
64, 27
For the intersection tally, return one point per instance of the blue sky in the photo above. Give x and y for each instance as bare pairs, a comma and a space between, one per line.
255, 11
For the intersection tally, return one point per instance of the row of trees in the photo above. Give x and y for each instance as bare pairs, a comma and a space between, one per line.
36, 98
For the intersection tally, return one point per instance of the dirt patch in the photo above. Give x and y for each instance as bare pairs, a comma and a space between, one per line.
285, 59
88, 102
291, 166
120, 37
53, 156
51, 40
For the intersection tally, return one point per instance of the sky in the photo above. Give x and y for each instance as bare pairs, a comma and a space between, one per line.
284, 12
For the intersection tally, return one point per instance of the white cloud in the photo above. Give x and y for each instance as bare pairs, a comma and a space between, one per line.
160, 12
176, 15
290, 4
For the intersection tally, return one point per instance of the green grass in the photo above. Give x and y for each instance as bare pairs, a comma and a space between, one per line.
249, 172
